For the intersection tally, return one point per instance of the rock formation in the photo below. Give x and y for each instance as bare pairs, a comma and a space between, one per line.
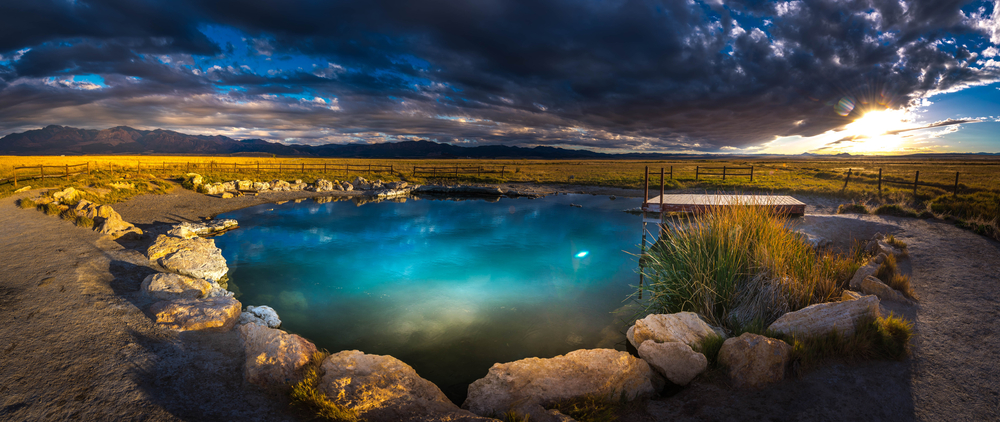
822, 318
168, 286
676, 361
273, 357
382, 388
873, 286
527, 385
195, 257
685, 327
212, 314
754, 361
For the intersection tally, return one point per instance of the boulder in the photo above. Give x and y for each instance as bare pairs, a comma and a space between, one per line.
95, 212
195, 178
850, 295
685, 327
347, 186
212, 314
273, 357
266, 314
866, 270
168, 286
22, 189
248, 318
122, 185
219, 291
754, 361
244, 185
188, 230
261, 186
382, 388
873, 286
361, 184
323, 185
527, 385
66, 195
816, 241
878, 246
396, 185
227, 195
823, 318
116, 228
676, 361
195, 257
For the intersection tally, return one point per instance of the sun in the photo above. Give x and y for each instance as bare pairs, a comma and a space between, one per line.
876, 131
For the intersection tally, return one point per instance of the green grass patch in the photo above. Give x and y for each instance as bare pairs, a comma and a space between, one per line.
26, 203
852, 208
69, 215
51, 209
306, 394
896, 210
710, 347
589, 409
894, 242
738, 267
84, 221
874, 338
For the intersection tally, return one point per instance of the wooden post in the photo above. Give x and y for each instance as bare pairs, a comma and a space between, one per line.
502, 169
138, 166
661, 198
369, 169
15, 177
390, 169
751, 173
880, 182
954, 195
414, 171
188, 167
671, 172
723, 172
303, 167
696, 170
847, 179
645, 195
915, 179
88, 168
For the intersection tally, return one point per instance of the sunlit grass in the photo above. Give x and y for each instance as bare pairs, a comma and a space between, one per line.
739, 268
306, 394
885, 338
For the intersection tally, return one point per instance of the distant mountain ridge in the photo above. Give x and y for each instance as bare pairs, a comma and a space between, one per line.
62, 140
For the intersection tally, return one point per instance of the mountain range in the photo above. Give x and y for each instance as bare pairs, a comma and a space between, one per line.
63, 140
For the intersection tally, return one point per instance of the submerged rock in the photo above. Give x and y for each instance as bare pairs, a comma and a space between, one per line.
382, 388
168, 286
266, 314
195, 257
685, 327
823, 318
273, 357
527, 385
212, 314
676, 361
754, 361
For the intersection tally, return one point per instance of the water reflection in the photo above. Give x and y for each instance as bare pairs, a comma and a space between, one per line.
449, 287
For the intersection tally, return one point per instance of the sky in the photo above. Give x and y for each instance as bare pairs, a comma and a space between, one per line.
685, 76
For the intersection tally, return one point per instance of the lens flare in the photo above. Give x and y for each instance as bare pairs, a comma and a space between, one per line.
583, 254
844, 106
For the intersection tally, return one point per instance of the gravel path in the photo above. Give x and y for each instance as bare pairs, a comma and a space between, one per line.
77, 345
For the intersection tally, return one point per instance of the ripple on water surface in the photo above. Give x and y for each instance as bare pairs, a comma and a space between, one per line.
449, 287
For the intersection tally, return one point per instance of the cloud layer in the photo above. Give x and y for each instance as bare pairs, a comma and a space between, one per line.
628, 75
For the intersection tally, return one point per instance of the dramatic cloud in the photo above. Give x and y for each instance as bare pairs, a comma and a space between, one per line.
626, 75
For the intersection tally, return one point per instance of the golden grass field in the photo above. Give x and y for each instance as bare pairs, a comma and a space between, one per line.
978, 199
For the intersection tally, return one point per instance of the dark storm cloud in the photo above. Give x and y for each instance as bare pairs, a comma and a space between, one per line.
624, 74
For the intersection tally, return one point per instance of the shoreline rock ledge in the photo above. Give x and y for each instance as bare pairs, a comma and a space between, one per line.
528, 385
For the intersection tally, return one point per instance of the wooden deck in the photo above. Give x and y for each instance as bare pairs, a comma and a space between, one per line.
704, 203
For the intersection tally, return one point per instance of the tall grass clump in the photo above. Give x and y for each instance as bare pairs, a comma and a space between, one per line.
26, 203
738, 267
874, 338
305, 393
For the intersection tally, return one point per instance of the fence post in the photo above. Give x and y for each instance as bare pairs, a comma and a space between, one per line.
671, 172
880, 182
751, 173
847, 179
645, 195
15, 177
138, 166
723, 172
696, 170
303, 167
414, 172
188, 167
954, 195
88, 168
41, 170
390, 169
915, 179
369, 169
502, 169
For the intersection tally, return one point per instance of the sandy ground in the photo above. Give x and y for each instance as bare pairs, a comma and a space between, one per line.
76, 343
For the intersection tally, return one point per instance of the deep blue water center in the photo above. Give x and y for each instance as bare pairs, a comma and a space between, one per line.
449, 287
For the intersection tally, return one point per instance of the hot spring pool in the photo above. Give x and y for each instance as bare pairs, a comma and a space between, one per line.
449, 287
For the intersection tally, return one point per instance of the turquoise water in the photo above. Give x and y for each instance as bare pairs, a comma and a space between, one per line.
449, 287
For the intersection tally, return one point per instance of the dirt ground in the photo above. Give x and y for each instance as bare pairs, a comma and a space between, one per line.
76, 343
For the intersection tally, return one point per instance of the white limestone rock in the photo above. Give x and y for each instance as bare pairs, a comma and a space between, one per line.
527, 385
676, 361
169, 286
823, 318
382, 388
266, 314
195, 257
685, 327
754, 361
274, 358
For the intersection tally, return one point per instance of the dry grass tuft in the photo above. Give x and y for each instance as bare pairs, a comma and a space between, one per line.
305, 393
852, 208
84, 221
874, 338
26, 203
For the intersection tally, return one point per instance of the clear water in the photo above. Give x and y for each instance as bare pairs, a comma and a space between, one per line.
449, 287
